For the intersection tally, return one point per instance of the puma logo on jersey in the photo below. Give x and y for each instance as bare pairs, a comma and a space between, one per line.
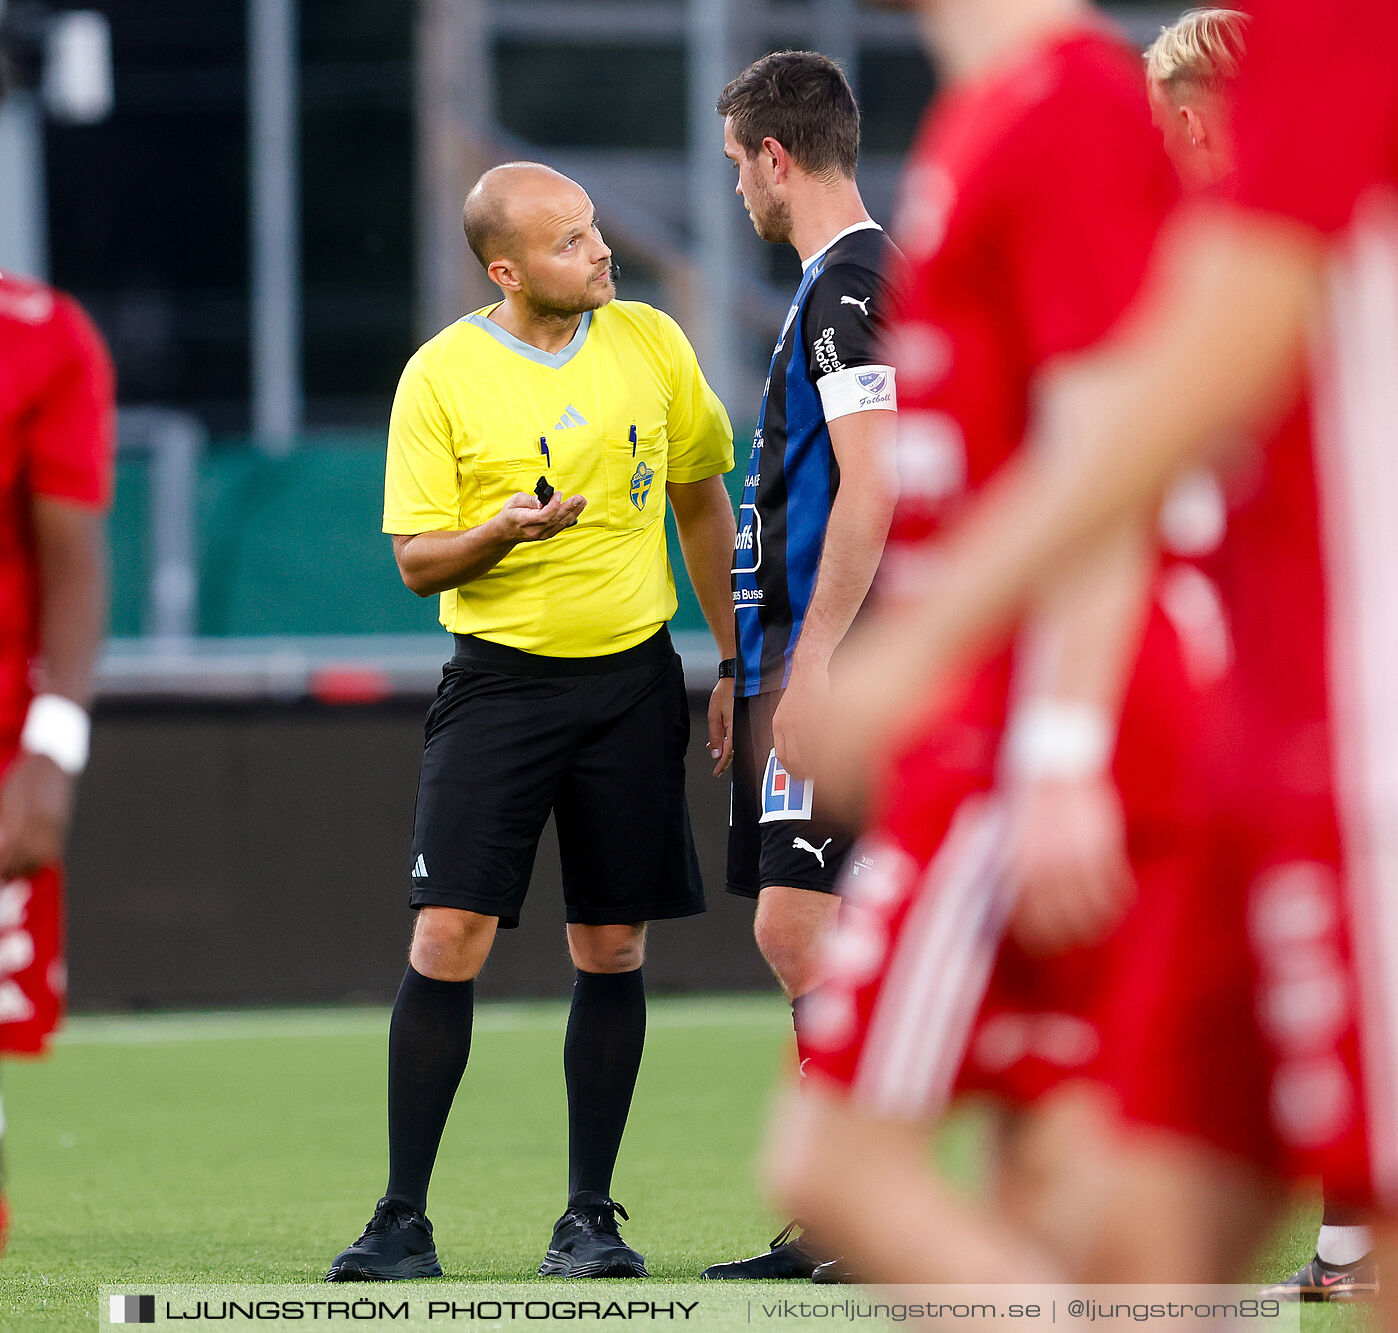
801, 845
863, 305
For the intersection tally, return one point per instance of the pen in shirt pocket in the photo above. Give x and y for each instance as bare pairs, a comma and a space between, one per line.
544, 449
633, 440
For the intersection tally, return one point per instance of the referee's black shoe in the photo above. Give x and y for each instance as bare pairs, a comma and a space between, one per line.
397, 1244
788, 1258
586, 1243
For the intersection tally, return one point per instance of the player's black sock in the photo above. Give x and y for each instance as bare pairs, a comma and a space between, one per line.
429, 1040
601, 1054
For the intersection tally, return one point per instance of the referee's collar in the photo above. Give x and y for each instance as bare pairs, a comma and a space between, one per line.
840, 236
508, 340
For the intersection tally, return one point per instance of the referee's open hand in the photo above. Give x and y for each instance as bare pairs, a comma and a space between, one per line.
524, 519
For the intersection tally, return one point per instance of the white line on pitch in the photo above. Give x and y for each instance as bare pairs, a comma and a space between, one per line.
498, 1016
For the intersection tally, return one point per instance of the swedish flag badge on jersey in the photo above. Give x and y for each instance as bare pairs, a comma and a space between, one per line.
641, 480
784, 797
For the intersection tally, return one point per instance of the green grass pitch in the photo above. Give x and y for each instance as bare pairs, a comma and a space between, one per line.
249, 1148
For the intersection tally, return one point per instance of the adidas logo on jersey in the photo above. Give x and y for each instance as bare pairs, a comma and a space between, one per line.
419, 868
571, 417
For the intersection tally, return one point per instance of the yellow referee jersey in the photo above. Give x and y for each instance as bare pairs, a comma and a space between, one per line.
620, 411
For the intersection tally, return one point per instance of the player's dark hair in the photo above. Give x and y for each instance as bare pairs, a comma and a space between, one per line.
803, 101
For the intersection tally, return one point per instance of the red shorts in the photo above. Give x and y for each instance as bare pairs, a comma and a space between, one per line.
926, 996
33, 980
1223, 1007
1241, 1028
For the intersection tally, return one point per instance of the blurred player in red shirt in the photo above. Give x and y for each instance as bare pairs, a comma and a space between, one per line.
1305, 242
56, 444
1270, 572
1065, 776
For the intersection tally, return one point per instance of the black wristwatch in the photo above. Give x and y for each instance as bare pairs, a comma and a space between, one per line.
728, 668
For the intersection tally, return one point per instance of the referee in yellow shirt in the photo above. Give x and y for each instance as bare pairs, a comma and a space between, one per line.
532, 449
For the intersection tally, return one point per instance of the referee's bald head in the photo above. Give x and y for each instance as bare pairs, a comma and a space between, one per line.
500, 199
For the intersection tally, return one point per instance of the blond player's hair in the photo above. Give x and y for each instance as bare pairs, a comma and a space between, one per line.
1204, 47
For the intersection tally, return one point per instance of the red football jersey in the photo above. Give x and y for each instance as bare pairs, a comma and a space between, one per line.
1029, 211
1317, 116
1317, 125
56, 440
1242, 1035
1318, 144
1270, 573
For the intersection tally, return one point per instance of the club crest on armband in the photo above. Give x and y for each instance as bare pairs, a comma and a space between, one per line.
641, 481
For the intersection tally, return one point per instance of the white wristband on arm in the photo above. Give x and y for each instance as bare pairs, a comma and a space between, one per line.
59, 729
1053, 739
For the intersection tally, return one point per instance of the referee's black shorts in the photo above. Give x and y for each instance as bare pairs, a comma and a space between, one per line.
599, 741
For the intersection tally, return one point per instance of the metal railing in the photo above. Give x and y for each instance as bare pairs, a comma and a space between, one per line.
174, 442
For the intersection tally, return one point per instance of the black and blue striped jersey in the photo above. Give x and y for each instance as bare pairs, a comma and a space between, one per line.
828, 362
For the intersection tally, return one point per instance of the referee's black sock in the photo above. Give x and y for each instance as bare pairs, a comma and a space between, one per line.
429, 1040
601, 1055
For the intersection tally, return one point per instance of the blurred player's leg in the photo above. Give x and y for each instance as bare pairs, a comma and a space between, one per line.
862, 1179
909, 964
1079, 1197
1123, 1203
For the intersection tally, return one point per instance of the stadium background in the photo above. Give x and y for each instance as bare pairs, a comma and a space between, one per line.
258, 200
263, 218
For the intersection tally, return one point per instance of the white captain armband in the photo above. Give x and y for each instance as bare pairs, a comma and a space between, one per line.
59, 729
858, 389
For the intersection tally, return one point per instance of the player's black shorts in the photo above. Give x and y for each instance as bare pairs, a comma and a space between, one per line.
599, 741
777, 831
